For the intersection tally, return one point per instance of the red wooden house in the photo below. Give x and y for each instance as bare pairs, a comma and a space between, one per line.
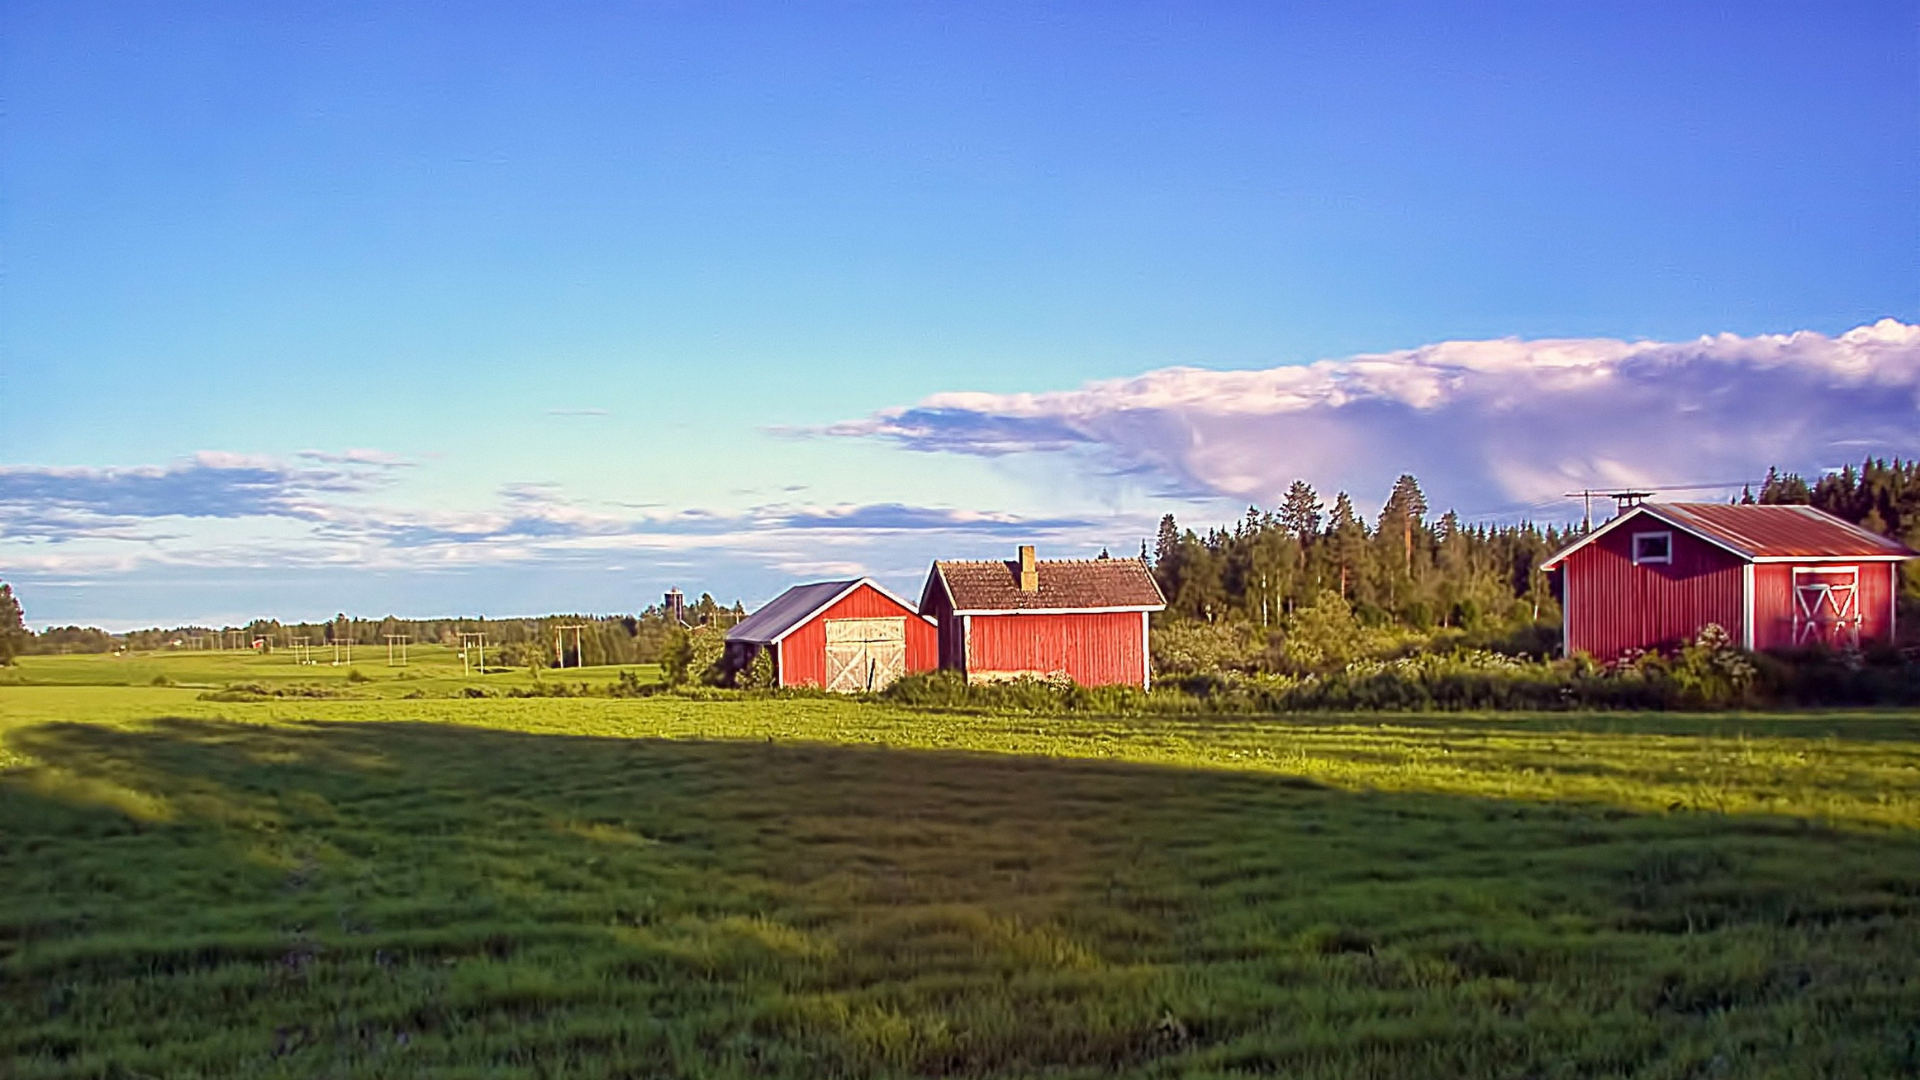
845, 636
1772, 576
1082, 618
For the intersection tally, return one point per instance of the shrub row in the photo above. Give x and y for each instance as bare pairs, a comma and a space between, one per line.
1707, 674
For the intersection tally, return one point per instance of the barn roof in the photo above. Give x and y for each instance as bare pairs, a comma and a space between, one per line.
1760, 533
1065, 585
797, 606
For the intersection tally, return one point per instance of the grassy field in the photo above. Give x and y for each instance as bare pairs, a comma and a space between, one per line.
602, 887
429, 671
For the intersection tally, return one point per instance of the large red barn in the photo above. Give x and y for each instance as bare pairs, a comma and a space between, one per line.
1771, 576
844, 636
1085, 619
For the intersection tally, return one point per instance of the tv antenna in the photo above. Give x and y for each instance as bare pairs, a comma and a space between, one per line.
1627, 499
1623, 500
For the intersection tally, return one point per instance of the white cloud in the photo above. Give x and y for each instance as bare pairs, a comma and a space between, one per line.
1505, 421
275, 523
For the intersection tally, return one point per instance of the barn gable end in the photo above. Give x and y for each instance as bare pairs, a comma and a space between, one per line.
815, 631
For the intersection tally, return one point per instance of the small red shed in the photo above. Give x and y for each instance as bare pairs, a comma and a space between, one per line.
1082, 618
1772, 576
844, 636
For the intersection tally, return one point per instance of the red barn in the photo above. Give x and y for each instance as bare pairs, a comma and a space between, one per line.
1772, 576
844, 636
1082, 618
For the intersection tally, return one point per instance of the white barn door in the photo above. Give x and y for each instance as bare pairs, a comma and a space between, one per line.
865, 654
1826, 606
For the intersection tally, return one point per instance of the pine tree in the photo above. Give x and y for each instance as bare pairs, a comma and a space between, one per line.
1348, 539
13, 626
1299, 514
1404, 511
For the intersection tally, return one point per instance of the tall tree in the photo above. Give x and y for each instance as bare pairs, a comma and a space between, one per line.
13, 625
1299, 512
1405, 511
1347, 536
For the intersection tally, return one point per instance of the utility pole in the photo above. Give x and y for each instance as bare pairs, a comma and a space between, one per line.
579, 650
471, 640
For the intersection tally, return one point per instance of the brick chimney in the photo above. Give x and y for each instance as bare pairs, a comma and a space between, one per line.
1029, 573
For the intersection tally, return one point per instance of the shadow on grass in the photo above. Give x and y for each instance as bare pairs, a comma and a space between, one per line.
384, 899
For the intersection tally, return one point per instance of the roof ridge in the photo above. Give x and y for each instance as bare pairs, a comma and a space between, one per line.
990, 562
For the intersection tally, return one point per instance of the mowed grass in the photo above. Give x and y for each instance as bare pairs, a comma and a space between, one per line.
595, 887
428, 671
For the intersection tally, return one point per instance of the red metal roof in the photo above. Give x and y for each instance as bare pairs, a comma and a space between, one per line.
1756, 532
1776, 532
1065, 585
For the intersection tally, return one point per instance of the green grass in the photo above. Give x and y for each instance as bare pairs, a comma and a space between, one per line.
430, 671
596, 887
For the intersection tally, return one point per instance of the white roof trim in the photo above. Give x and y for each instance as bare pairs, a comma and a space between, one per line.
1060, 610
1830, 558
1648, 509
842, 595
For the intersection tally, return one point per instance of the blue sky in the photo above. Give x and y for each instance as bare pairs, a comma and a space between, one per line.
506, 309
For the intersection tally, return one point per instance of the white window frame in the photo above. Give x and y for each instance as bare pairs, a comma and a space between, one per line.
1666, 534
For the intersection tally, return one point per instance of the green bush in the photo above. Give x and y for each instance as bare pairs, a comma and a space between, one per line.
1189, 647
758, 674
694, 657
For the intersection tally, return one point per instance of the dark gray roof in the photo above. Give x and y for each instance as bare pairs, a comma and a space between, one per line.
788, 610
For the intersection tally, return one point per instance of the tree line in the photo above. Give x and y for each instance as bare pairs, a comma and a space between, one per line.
603, 639
1398, 567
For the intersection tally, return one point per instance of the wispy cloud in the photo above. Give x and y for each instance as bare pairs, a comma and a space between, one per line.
379, 458
56, 503
1505, 420
218, 510
579, 412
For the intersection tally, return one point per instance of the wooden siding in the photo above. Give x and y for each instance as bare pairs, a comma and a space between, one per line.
803, 653
1614, 605
952, 634
1773, 601
1096, 649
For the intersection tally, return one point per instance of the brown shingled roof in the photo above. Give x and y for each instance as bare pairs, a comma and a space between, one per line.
1065, 584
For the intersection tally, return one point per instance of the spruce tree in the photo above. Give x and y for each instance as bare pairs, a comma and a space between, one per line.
1348, 539
1300, 512
13, 626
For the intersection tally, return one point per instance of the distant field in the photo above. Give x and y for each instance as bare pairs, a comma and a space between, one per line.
430, 670
604, 887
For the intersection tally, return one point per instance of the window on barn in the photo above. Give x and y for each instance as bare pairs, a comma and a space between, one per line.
1653, 547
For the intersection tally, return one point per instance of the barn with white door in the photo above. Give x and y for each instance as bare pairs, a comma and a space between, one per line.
843, 636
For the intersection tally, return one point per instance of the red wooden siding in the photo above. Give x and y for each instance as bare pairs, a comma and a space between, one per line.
1773, 601
952, 634
1094, 649
802, 654
1613, 605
